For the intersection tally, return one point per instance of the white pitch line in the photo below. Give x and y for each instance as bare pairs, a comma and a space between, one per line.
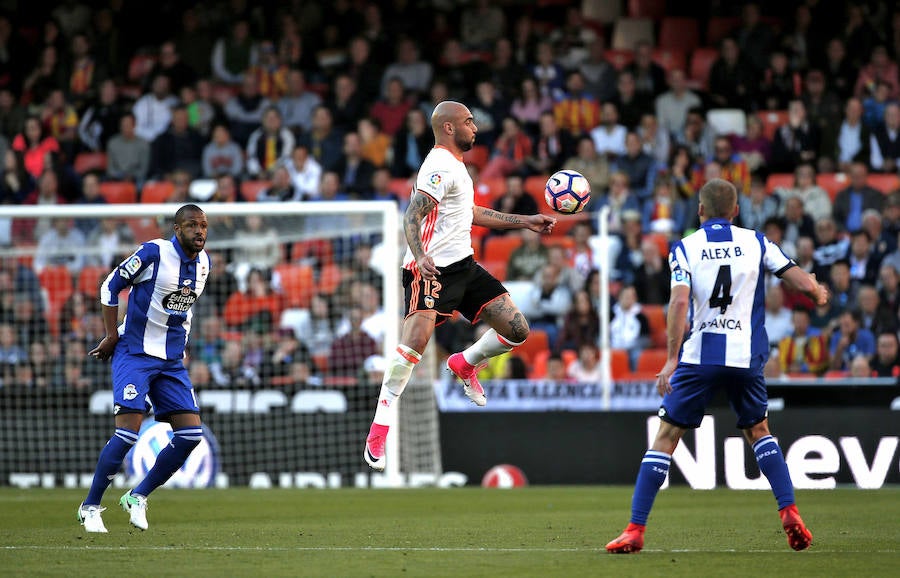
419, 549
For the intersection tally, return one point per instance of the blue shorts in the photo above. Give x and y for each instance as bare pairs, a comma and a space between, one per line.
165, 382
693, 386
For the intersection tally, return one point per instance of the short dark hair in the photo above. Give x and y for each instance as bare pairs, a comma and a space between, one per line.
719, 197
179, 214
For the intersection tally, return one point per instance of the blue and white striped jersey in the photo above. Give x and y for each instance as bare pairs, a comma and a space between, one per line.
164, 284
724, 266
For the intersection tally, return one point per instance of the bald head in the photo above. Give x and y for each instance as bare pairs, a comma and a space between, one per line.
718, 198
453, 126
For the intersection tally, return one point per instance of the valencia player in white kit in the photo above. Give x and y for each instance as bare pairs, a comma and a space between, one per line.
440, 275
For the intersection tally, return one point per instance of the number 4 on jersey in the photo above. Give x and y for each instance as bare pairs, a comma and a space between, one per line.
721, 292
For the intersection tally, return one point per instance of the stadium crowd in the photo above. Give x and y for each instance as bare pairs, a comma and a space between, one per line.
301, 101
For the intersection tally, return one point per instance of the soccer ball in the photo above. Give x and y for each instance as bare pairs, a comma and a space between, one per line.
504, 476
567, 192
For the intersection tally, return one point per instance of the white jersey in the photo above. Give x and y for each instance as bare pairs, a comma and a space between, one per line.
446, 230
724, 266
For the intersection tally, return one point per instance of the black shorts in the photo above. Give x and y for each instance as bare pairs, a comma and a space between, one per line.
464, 286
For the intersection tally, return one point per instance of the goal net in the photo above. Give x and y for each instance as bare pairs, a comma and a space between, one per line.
287, 349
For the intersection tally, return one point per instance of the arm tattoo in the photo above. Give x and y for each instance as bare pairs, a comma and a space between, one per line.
419, 206
500, 219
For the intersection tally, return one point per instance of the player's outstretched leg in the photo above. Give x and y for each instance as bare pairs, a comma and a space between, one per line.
465, 364
772, 465
172, 457
108, 464
395, 379
652, 474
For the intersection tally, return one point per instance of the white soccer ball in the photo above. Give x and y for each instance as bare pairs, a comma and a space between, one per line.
567, 192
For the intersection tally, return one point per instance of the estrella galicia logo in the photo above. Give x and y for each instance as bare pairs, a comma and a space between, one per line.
198, 471
180, 301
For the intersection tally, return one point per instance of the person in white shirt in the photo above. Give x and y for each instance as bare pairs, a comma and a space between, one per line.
153, 111
609, 136
305, 172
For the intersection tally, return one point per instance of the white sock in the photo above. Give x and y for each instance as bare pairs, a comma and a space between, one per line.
396, 377
491, 344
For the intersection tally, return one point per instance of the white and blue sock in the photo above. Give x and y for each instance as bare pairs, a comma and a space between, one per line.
170, 459
651, 476
772, 465
111, 457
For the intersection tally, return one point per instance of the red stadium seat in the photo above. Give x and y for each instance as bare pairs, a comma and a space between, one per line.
90, 278
496, 268
297, 284
653, 9
118, 191
330, 279
156, 191
478, 155
537, 342
499, 248
833, 183
650, 361
556, 240
139, 66
489, 190
619, 367
718, 27
662, 243
779, 180
656, 318
886, 183
534, 186
57, 282
89, 162
402, 188
679, 34
771, 120
250, 190
701, 62
143, 228
670, 59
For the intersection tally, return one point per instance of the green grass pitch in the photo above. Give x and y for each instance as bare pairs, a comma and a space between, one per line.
537, 531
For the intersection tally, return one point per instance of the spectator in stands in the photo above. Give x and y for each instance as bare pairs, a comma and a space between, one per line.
664, 211
268, 146
732, 79
860, 367
874, 105
599, 74
804, 350
354, 171
29, 321
47, 193
758, 206
850, 340
572, 40
37, 148
628, 326
305, 172
515, 201
802, 41
488, 110
323, 142
16, 183
349, 351
287, 356
774, 228
232, 55
548, 72
638, 165
619, 199
814, 199
547, 302
649, 77
850, 203
840, 72
47, 74
256, 245
193, 43
45, 370
874, 316
576, 111
551, 147
230, 371
864, 264
100, 120
672, 106
696, 135
586, 368
889, 288
105, 242
170, 64
795, 142
127, 154
481, 24
609, 136
270, 72
414, 74
297, 105
829, 246
222, 155
823, 107
556, 369
655, 140
257, 306
245, 110
884, 142
180, 147
375, 146
362, 69
345, 103
886, 361
753, 148
843, 289
282, 188
581, 325
528, 258
880, 68
510, 151
558, 257
883, 241
11, 352
60, 120
778, 317
503, 70
60, 245
754, 37
202, 109
24, 280
411, 143
797, 223
779, 83
651, 276
12, 114
181, 182
457, 70
437, 93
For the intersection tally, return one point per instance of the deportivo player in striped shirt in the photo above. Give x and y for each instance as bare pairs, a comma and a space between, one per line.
165, 276
718, 274
440, 276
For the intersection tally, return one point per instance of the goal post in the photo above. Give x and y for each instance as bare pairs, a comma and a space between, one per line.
302, 423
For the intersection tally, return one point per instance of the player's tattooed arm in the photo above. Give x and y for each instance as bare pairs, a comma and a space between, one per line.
419, 207
492, 219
